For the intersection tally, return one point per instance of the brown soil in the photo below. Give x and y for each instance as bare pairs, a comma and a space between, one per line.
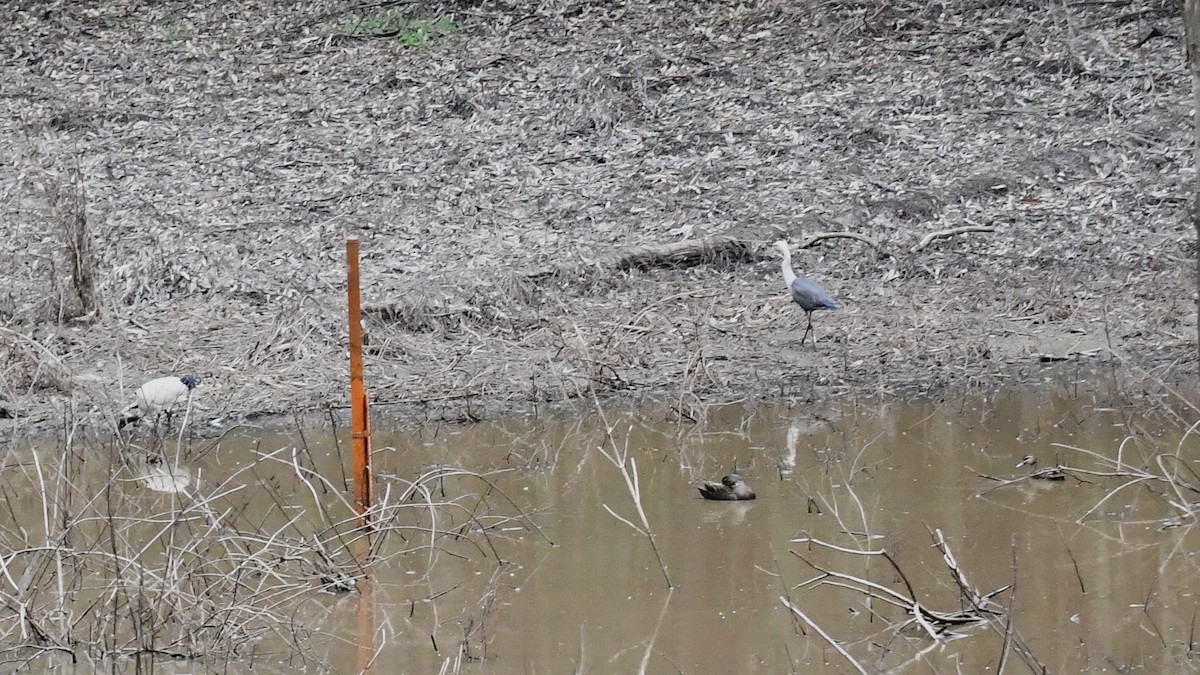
497, 174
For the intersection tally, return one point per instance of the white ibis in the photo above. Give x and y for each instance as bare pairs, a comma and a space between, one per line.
158, 397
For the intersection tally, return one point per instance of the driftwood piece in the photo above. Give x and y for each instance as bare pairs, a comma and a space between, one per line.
693, 252
682, 253
821, 236
1150, 34
689, 252
943, 234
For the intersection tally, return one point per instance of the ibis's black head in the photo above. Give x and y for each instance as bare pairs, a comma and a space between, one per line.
190, 381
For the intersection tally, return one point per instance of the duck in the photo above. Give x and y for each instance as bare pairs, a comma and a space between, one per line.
158, 397
731, 488
1052, 473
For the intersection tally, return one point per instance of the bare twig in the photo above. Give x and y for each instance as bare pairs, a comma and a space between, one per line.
618, 454
825, 636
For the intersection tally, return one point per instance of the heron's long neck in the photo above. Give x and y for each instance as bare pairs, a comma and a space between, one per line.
788, 275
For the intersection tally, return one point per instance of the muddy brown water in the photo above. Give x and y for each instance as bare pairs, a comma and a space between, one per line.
1100, 584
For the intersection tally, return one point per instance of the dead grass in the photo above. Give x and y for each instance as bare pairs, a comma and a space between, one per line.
137, 554
500, 177
68, 202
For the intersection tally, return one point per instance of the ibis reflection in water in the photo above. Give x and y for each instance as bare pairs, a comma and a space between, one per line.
162, 475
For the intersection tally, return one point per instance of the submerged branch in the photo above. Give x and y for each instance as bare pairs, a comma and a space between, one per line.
825, 636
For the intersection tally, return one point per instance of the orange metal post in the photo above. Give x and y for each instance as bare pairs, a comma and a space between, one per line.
359, 419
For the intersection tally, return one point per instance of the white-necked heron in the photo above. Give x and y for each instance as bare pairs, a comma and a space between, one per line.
805, 292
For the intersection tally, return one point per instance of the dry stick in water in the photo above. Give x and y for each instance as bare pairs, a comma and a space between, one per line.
337, 445
881, 592
984, 605
420, 486
628, 467
654, 636
1135, 476
625, 464
187, 414
1006, 647
304, 445
1182, 503
934, 623
832, 643
1146, 603
1159, 381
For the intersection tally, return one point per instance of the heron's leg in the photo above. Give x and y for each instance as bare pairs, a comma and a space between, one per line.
809, 329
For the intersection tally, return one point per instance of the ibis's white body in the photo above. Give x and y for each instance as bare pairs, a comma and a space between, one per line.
160, 394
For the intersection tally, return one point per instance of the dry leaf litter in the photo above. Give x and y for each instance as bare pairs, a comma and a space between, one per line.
495, 172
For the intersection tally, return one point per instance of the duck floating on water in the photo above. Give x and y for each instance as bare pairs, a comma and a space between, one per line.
1052, 473
731, 488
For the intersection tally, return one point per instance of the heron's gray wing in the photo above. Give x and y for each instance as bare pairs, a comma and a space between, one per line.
810, 296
